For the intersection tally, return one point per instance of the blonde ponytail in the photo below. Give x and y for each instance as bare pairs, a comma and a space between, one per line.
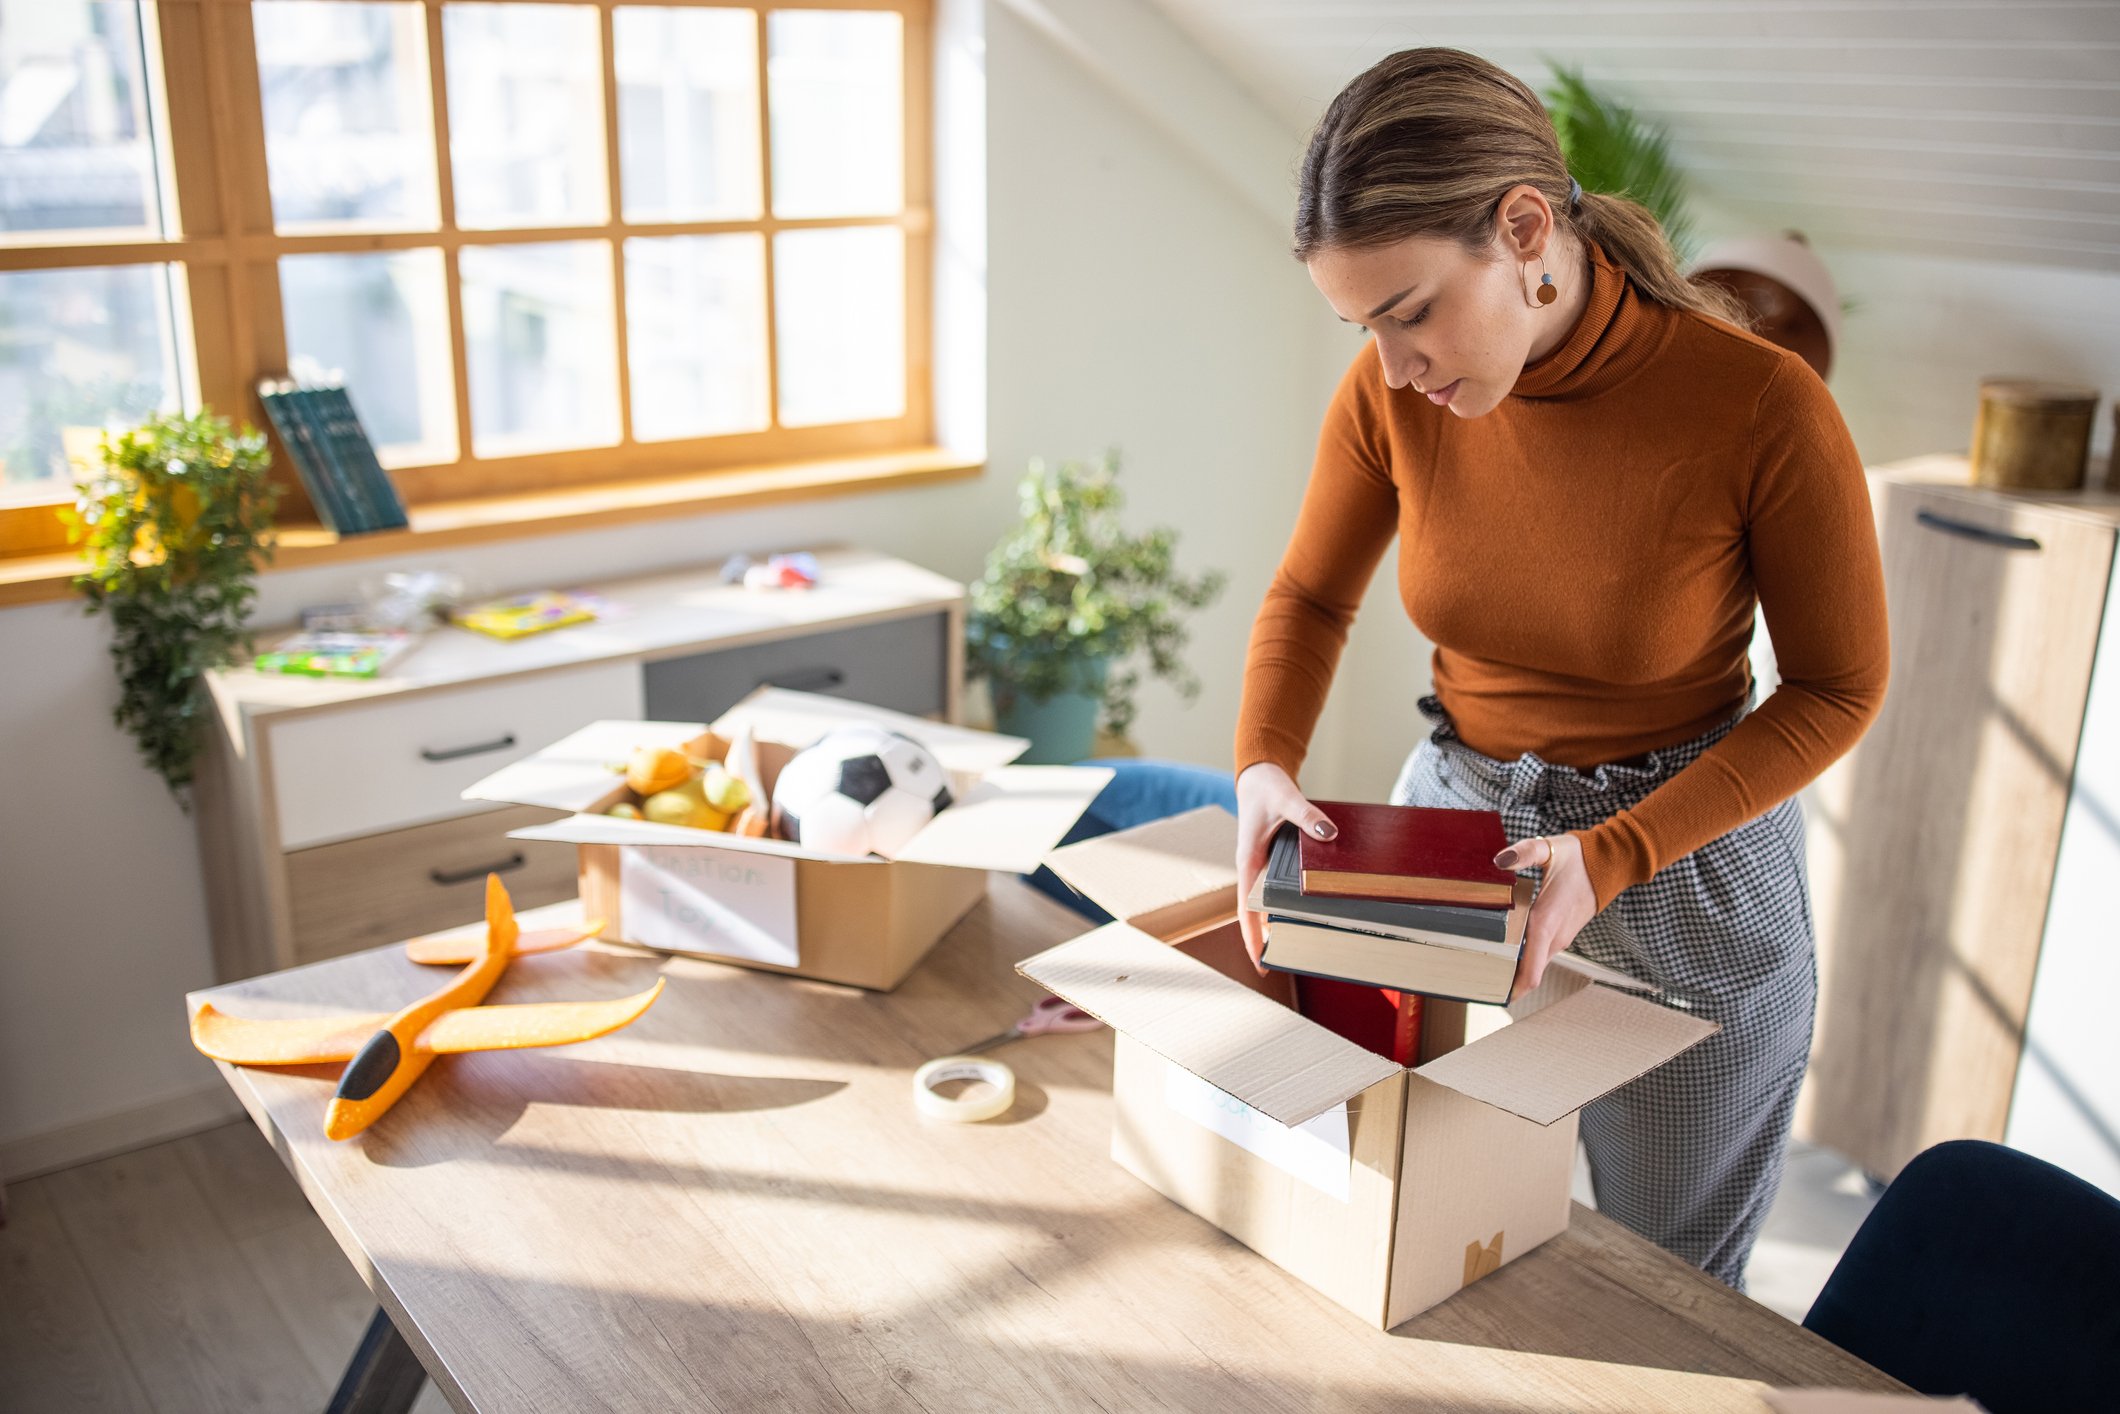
1427, 141
1632, 236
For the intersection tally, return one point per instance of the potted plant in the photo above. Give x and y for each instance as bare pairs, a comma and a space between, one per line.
1610, 148
1067, 597
174, 525
1786, 289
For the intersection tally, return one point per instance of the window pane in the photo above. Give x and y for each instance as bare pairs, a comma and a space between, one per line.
840, 324
541, 341
80, 350
349, 132
696, 335
75, 152
687, 113
526, 114
834, 78
380, 323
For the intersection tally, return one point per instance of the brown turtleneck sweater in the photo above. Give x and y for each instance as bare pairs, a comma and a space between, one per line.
1586, 559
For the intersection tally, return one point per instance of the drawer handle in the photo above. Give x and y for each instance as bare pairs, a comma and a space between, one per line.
428, 753
465, 876
813, 680
1976, 532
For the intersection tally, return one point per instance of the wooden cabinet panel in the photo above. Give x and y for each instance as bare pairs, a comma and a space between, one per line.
1933, 842
382, 888
2066, 1108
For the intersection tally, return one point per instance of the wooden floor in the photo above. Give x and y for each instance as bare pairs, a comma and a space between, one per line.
190, 1276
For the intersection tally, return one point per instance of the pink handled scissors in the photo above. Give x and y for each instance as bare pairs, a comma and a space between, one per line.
1050, 1015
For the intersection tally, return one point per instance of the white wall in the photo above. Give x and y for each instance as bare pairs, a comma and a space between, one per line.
1136, 294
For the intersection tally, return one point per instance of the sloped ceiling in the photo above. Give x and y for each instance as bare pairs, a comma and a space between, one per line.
1968, 128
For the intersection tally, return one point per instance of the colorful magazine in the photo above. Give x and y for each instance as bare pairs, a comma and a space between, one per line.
335, 654
519, 615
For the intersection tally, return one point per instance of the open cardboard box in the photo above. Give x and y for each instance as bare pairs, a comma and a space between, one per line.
774, 905
1387, 1188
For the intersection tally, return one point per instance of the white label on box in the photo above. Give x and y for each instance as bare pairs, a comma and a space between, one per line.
688, 898
1315, 1151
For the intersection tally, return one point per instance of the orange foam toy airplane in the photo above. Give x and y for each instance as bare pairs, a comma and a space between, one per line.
390, 1051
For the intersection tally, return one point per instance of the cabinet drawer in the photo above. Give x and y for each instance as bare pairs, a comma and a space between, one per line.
389, 887
403, 761
901, 664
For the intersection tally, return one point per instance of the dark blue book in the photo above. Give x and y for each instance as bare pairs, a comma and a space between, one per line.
352, 455
304, 401
301, 439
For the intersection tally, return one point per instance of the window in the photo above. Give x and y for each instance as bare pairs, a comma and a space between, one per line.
544, 243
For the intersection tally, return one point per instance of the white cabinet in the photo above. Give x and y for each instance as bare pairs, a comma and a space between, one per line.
366, 767
329, 812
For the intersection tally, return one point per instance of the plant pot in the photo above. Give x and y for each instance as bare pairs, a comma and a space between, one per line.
1062, 728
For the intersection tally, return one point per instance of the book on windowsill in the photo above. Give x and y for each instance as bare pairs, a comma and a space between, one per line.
1474, 961
1412, 853
332, 455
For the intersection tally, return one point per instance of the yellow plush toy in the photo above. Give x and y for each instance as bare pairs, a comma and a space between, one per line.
388, 1052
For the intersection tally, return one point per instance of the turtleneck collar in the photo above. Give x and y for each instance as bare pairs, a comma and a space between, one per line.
1616, 333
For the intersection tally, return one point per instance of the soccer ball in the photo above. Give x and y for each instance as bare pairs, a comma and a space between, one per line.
858, 790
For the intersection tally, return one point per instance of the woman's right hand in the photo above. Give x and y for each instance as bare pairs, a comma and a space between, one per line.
1265, 798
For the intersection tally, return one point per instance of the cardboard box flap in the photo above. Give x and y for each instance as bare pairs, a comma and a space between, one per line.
1597, 972
1269, 1057
577, 770
1553, 1062
799, 718
603, 829
1009, 820
1159, 875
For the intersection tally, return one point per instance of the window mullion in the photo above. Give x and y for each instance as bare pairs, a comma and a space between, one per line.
765, 197
614, 215
445, 208
917, 195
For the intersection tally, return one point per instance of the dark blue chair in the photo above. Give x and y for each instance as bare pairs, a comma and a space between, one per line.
1138, 792
1984, 1271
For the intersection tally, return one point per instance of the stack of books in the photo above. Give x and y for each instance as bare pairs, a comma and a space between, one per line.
1405, 897
333, 456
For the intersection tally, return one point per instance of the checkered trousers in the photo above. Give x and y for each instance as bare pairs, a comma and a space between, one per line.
1690, 1155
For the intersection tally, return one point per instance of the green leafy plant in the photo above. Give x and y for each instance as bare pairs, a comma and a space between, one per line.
1611, 149
174, 524
1068, 594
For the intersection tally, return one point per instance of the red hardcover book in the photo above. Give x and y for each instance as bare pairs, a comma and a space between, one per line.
1374, 1018
1414, 853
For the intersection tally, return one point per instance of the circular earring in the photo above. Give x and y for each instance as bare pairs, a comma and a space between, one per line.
1547, 294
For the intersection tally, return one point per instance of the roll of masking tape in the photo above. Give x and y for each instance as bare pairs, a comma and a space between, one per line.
966, 1109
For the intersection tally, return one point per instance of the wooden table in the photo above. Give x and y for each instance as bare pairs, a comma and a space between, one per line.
731, 1205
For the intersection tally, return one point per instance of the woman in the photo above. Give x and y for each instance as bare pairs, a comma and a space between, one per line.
1594, 475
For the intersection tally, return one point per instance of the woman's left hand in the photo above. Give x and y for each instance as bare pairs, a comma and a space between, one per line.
1564, 904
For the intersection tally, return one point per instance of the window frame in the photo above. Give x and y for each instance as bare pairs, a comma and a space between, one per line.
225, 254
